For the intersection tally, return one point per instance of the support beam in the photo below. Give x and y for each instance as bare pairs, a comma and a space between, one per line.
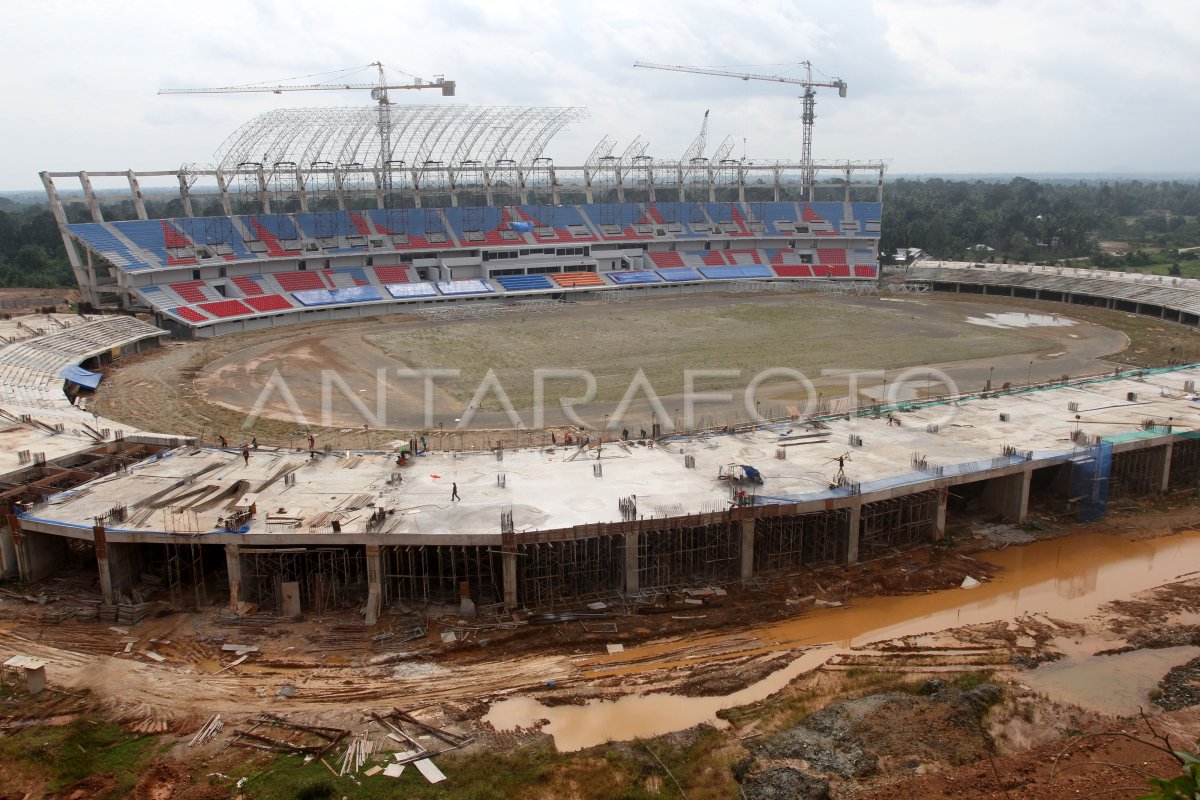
8, 552
1164, 487
943, 502
508, 569
632, 580
374, 584
233, 566
747, 548
855, 529
106, 583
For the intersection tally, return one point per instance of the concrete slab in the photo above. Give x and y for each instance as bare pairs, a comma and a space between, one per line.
557, 487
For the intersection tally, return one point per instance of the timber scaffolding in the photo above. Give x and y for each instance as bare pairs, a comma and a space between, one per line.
327, 578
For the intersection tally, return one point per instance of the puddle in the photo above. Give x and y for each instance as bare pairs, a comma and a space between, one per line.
1118, 684
1067, 579
1018, 319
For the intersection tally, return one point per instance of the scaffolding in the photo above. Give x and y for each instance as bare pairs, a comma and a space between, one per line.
184, 563
1090, 471
689, 552
786, 543
328, 577
432, 574
1136, 472
558, 573
897, 522
1185, 463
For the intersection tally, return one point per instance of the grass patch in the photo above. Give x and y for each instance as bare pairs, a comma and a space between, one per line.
613, 343
63, 755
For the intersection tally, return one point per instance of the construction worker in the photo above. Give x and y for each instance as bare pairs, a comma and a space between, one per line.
454, 492
224, 441
246, 453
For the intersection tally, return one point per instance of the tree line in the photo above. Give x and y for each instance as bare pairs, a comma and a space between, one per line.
1019, 220
1025, 220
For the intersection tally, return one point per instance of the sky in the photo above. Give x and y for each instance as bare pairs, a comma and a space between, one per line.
935, 86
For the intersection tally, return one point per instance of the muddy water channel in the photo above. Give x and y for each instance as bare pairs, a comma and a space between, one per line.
1067, 579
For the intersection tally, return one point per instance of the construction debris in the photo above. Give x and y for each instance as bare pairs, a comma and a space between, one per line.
299, 741
207, 731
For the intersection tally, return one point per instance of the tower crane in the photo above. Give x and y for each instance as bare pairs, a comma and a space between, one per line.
809, 99
379, 93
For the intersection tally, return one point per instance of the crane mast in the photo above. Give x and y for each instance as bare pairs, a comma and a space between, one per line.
808, 99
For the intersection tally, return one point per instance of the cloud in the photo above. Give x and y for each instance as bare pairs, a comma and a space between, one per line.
961, 85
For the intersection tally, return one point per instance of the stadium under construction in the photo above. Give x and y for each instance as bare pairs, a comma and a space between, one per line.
466, 212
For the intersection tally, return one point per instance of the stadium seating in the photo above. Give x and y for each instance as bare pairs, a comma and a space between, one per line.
178, 248
793, 270
556, 223
267, 229
729, 217
192, 291
417, 228
324, 297
744, 257
217, 233
667, 259
326, 224
617, 221
575, 280
299, 281
226, 308
392, 274
831, 255
404, 291
191, 315
467, 287
248, 286
524, 283
730, 273
634, 277
676, 274
97, 237
269, 302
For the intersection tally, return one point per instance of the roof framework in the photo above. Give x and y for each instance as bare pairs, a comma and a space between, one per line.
446, 134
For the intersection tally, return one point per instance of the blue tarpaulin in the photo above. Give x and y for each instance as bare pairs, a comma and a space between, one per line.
79, 375
521, 227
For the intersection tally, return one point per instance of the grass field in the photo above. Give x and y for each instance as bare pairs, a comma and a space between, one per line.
805, 333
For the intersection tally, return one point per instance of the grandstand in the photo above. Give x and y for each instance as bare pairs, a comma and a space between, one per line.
289, 230
478, 221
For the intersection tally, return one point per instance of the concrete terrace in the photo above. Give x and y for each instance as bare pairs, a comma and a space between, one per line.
557, 488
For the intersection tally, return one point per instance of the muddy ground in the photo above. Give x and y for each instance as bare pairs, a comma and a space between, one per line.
912, 738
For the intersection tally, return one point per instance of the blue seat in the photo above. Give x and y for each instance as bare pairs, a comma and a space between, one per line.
676, 274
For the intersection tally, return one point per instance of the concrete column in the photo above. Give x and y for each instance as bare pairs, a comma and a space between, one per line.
374, 583
633, 582
1166, 466
233, 567
1008, 495
101, 542
747, 548
8, 551
855, 528
509, 564
939, 529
